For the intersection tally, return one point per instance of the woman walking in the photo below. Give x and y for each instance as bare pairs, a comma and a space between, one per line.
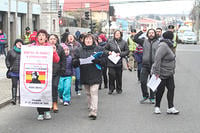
13, 65
42, 35
90, 74
164, 68
58, 69
120, 47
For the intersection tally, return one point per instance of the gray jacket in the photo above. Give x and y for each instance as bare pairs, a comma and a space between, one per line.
164, 64
149, 49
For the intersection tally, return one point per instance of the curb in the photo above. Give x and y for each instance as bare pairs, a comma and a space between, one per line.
5, 103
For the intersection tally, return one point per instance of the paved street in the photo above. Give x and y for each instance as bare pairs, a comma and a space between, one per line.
120, 113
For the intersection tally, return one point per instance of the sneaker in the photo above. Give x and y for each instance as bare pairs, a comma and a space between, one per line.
40, 117
152, 101
66, 103
61, 100
172, 111
92, 117
143, 100
157, 110
47, 115
78, 93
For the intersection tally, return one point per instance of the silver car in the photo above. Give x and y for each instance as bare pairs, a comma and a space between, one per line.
189, 37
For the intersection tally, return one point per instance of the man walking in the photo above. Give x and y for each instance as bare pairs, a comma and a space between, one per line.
132, 47
175, 39
149, 49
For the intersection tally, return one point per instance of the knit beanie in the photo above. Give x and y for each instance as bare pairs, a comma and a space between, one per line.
18, 40
168, 35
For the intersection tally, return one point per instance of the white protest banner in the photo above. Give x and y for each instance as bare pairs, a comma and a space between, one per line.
36, 76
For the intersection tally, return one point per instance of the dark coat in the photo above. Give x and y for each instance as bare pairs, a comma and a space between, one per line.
112, 46
13, 61
69, 66
89, 73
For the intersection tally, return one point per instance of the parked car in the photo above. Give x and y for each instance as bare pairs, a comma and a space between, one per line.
189, 37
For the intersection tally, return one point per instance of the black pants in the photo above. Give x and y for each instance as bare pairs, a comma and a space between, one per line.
14, 87
14, 82
145, 72
169, 83
115, 74
55, 81
42, 110
104, 73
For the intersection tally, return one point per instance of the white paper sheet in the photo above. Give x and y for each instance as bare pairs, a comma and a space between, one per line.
86, 60
114, 58
153, 82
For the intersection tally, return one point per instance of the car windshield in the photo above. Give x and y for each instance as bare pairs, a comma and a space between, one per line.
189, 34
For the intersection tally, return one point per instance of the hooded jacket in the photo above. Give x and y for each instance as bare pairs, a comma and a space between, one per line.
164, 64
149, 49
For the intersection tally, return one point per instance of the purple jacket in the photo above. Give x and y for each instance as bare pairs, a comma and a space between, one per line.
69, 68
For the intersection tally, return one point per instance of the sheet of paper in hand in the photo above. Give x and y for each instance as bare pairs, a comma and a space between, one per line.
153, 82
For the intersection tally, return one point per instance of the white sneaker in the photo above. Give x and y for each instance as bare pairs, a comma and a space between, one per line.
47, 115
61, 100
66, 103
78, 93
157, 110
40, 117
172, 111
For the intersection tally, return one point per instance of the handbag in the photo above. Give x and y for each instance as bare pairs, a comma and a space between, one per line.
125, 65
8, 74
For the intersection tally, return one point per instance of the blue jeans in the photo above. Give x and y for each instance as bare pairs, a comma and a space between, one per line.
64, 88
77, 81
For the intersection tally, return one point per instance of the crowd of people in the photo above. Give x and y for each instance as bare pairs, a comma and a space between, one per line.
150, 53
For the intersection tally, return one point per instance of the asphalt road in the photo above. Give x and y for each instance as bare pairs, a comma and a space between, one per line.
121, 113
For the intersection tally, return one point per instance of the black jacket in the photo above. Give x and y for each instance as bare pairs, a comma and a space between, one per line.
89, 73
112, 46
13, 61
60, 67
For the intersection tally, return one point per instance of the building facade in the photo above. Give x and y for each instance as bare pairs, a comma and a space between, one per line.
16, 15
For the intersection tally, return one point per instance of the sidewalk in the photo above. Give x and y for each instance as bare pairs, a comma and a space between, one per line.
5, 84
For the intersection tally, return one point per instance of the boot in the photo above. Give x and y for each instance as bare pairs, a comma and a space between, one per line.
14, 96
55, 107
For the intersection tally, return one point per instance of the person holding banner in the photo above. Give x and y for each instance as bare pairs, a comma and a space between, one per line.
13, 65
89, 72
164, 68
42, 35
58, 69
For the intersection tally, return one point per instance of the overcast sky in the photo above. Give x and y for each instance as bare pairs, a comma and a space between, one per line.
167, 7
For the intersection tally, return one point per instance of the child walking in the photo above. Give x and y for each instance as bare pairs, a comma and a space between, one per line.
64, 86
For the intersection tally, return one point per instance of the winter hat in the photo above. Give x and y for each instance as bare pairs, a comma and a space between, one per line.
18, 40
102, 36
64, 46
168, 35
170, 27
